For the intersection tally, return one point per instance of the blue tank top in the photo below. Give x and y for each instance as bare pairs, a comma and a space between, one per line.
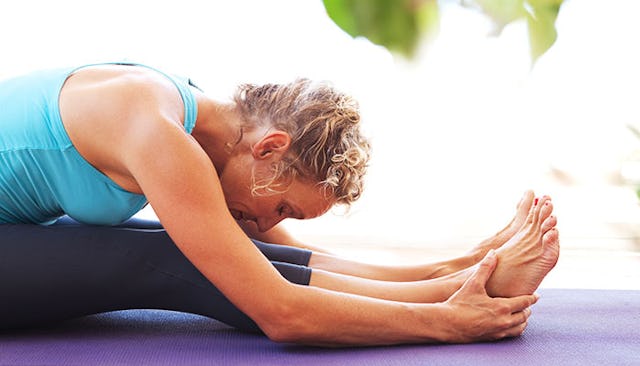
42, 175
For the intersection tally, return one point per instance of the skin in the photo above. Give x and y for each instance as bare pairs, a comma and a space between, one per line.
126, 122
533, 248
540, 238
328, 262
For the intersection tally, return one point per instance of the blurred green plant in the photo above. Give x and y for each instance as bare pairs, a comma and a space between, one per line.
400, 25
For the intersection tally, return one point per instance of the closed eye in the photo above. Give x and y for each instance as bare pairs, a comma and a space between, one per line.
284, 210
290, 211
281, 210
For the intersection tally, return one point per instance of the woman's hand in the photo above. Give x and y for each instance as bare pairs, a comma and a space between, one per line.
478, 317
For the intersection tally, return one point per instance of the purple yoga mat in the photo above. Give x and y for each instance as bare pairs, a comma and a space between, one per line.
568, 327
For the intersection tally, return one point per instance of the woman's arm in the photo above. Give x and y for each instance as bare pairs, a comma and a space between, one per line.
144, 144
182, 186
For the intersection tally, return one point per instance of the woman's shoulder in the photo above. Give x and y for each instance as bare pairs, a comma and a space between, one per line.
116, 94
128, 83
109, 111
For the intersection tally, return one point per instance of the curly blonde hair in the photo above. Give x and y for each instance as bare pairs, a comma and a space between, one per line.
327, 146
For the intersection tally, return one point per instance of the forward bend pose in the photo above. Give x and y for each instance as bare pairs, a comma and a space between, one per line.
83, 149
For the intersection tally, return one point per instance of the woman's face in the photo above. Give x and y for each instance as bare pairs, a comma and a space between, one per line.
299, 200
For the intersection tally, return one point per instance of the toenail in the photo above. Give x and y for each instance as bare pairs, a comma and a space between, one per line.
535, 202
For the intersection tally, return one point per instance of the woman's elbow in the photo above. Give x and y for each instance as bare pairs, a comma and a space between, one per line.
281, 334
287, 324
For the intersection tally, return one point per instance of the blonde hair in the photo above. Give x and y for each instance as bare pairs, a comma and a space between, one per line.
327, 146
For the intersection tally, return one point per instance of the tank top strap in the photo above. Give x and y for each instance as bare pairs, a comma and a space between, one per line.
189, 101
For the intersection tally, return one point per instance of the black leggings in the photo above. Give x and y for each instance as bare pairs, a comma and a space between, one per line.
66, 270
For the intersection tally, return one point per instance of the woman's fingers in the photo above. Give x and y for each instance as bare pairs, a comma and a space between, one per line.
520, 303
514, 331
508, 326
484, 318
484, 271
517, 319
517, 325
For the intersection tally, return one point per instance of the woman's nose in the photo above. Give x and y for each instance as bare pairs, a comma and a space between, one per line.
264, 224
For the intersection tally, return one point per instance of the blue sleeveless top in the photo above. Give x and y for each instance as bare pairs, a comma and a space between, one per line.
42, 175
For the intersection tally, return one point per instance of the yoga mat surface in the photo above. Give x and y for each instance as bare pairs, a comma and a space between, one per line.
568, 327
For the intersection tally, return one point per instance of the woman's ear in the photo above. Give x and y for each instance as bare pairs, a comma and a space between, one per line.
274, 143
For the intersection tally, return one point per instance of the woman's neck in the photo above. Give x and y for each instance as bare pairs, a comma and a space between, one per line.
217, 130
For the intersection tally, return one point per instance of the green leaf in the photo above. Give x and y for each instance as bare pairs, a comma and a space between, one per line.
397, 25
341, 14
502, 12
541, 20
400, 25
428, 15
541, 17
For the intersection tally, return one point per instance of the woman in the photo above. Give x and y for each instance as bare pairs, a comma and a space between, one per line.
96, 143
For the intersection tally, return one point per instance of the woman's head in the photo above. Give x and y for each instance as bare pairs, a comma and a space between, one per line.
326, 146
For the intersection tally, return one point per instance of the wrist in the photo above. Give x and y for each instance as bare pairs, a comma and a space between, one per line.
436, 322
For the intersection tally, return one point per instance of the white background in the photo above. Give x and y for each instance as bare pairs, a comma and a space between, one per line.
458, 134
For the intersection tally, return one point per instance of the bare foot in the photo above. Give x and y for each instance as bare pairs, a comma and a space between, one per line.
528, 256
496, 241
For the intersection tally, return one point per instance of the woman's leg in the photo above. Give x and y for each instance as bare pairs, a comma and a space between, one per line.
426, 291
333, 263
389, 272
522, 264
406, 273
64, 271
52, 273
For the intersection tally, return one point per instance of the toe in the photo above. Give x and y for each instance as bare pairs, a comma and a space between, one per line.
523, 210
546, 208
534, 212
551, 247
549, 223
526, 202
